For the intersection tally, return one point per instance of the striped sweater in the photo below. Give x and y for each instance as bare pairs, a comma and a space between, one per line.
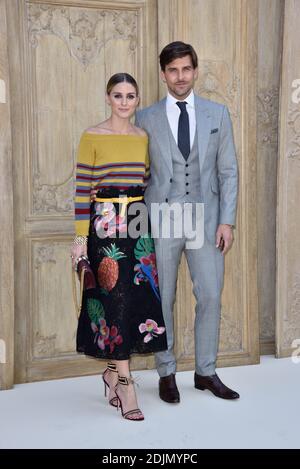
119, 161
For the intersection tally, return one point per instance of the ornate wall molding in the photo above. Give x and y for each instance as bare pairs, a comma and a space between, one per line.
44, 254
217, 82
44, 346
188, 344
294, 132
55, 199
84, 31
267, 116
231, 336
51, 275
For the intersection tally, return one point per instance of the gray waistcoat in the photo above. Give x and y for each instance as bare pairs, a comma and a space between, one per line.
185, 185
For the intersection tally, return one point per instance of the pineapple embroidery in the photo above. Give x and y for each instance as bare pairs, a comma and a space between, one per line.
108, 270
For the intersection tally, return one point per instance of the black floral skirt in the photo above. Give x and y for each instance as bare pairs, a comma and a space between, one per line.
123, 314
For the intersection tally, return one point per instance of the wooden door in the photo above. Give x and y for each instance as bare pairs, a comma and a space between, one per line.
61, 55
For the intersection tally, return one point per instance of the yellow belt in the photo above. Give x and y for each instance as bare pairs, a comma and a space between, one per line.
124, 200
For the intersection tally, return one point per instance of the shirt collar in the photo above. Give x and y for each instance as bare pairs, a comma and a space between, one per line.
190, 99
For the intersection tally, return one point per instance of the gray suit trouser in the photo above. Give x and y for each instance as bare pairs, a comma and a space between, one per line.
206, 266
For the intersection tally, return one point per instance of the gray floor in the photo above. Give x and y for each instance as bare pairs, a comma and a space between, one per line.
73, 413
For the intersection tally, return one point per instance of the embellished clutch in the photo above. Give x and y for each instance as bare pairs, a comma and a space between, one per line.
86, 279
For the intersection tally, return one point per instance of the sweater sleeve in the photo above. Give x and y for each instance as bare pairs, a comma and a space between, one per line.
84, 179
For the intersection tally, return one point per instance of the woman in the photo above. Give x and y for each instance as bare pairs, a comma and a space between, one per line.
123, 314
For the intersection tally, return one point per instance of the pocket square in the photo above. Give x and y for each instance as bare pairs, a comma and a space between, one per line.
213, 131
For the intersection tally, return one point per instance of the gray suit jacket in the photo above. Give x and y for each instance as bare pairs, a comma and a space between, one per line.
217, 160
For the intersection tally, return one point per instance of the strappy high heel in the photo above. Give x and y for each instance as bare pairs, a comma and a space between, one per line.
125, 381
110, 367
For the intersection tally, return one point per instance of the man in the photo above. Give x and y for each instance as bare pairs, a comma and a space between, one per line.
192, 158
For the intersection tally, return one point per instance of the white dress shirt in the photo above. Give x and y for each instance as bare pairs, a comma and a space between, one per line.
173, 113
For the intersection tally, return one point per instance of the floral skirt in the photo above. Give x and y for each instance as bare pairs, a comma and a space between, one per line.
123, 314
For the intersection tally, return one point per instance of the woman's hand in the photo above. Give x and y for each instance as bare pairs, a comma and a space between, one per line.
93, 195
77, 250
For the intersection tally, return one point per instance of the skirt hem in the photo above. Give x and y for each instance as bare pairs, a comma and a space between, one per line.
110, 356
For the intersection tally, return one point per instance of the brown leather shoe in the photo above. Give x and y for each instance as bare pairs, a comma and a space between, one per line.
215, 385
168, 390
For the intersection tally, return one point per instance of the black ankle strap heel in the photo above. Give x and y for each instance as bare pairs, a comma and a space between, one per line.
110, 367
125, 381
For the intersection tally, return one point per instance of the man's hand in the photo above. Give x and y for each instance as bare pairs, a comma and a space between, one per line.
224, 238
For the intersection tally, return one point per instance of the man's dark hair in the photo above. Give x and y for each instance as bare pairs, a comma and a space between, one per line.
176, 50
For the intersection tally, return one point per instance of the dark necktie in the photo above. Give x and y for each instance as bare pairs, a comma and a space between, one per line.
183, 130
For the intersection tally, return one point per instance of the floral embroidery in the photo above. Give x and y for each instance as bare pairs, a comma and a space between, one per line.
101, 333
106, 336
105, 209
115, 338
107, 223
151, 328
146, 270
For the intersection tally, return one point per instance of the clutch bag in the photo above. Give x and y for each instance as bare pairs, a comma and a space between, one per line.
86, 279
83, 265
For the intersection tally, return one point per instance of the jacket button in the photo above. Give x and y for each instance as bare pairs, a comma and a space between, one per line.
187, 174
186, 183
171, 179
166, 199
186, 165
187, 193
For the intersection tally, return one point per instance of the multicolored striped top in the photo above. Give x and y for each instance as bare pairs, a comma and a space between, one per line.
105, 160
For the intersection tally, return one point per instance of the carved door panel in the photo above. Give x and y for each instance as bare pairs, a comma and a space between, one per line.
62, 54
288, 215
224, 34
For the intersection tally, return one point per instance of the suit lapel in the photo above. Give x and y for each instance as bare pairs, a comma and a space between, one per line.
160, 127
203, 120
